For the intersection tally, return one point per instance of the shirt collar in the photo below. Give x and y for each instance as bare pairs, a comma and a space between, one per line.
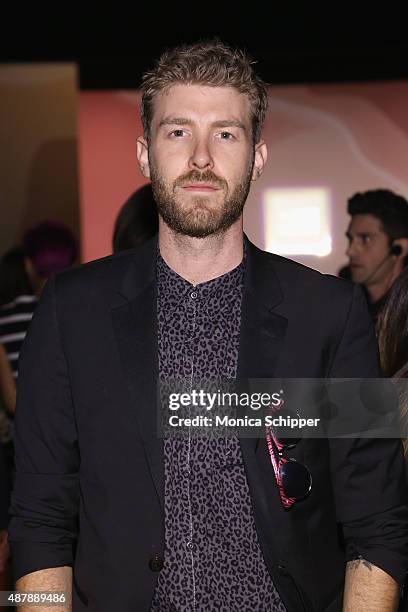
174, 288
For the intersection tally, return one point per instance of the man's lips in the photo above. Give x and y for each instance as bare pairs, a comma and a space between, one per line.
200, 187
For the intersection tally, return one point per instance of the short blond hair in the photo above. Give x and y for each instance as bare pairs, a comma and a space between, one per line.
210, 63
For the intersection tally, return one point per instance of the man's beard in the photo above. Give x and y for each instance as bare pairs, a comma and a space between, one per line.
201, 217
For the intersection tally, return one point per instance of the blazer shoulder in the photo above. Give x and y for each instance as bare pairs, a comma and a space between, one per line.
296, 277
102, 276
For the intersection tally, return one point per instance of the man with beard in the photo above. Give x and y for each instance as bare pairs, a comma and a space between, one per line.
132, 521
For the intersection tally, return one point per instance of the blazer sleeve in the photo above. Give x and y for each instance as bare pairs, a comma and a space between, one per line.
368, 475
44, 506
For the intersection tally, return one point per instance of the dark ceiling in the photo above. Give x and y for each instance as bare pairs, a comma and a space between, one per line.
294, 48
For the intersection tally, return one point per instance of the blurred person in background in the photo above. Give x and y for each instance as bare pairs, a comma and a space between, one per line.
378, 242
48, 247
137, 220
392, 331
7, 384
17, 303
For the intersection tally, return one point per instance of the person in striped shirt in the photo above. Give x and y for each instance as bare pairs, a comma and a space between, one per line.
48, 248
15, 318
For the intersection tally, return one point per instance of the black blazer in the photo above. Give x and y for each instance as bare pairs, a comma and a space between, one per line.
90, 473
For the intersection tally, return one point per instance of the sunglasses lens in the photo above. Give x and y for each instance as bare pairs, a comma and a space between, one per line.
296, 479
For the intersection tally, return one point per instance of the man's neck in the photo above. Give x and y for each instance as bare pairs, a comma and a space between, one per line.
378, 290
198, 260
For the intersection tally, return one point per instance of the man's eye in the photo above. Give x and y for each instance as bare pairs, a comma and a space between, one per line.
177, 133
366, 239
226, 136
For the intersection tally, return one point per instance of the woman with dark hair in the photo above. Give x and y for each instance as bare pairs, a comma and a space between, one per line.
392, 330
137, 220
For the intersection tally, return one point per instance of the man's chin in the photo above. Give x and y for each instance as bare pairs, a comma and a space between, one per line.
196, 224
199, 219
358, 277
196, 231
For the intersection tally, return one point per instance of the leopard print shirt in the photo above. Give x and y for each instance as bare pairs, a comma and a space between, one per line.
212, 559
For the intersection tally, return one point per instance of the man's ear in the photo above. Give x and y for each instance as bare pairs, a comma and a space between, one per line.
403, 243
142, 152
261, 155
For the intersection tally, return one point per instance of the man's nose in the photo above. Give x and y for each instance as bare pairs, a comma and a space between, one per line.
201, 157
351, 249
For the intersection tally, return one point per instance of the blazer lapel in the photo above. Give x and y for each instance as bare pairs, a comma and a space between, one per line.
262, 330
135, 327
261, 340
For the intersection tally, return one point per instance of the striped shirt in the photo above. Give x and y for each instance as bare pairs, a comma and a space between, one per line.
15, 318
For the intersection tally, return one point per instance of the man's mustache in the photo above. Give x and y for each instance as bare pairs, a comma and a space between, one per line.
195, 176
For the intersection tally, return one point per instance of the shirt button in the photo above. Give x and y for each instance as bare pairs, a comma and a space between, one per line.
190, 545
193, 295
156, 563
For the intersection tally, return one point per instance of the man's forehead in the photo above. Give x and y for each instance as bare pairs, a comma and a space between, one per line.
365, 223
196, 101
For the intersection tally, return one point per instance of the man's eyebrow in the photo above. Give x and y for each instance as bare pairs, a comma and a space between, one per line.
175, 121
349, 235
218, 124
229, 123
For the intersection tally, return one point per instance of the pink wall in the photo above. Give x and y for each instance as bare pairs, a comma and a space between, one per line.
344, 138
108, 125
